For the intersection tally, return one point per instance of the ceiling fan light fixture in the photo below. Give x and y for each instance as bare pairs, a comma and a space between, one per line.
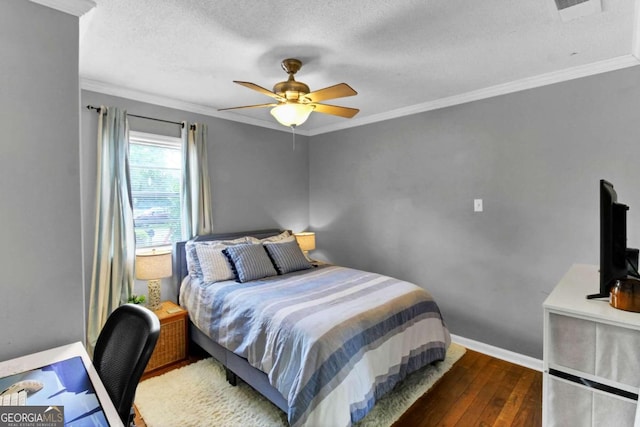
291, 114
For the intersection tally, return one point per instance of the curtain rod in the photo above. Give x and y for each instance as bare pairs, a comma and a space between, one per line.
91, 107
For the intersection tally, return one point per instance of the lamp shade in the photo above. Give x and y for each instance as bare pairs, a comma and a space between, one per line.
291, 113
153, 265
306, 240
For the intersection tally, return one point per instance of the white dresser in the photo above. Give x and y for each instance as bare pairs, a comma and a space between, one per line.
591, 356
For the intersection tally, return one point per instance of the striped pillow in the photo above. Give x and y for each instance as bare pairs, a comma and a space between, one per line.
214, 266
249, 262
206, 262
287, 257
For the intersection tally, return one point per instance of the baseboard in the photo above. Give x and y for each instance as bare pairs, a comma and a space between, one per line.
500, 353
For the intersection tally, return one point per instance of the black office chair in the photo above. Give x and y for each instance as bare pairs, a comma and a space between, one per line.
121, 354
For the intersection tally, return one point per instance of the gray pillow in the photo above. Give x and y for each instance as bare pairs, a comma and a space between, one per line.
287, 257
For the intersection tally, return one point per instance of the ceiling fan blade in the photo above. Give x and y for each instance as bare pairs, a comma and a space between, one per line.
336, 91
248, 106
260, 89
345, 112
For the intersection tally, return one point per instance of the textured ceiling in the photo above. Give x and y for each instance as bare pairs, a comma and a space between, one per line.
401, 56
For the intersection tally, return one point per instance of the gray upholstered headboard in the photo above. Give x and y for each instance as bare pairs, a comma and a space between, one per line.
179, 255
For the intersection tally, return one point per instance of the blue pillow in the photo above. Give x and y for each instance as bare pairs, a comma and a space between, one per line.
249, 262
287, 257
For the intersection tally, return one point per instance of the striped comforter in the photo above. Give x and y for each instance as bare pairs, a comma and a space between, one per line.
332, 340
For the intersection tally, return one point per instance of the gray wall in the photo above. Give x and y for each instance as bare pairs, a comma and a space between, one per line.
257, 179
41, 285
396, 197
393, 197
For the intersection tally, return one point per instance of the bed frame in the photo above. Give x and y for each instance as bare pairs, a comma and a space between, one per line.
235, 366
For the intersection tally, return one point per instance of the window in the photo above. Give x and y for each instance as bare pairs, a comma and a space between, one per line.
155, 166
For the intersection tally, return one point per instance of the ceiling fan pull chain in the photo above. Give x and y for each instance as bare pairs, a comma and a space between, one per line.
293, 133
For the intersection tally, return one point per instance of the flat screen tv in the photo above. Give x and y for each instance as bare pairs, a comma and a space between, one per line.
616, 260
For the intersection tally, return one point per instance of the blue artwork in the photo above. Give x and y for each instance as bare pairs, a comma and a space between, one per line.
62, 384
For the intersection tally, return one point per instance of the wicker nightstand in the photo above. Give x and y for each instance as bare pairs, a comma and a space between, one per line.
172, 344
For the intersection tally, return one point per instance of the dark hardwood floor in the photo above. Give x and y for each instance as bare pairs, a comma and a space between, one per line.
479, 390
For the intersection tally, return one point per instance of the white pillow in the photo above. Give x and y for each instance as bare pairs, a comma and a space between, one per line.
214, 264
204, 263
282, 237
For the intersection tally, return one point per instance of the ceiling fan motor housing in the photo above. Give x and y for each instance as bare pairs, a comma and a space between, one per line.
291, 89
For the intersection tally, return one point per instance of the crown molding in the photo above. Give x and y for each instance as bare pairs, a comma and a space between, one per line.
122, 92
489, 92
72, 7
635, 40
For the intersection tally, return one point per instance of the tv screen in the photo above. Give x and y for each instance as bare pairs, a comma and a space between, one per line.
614, 262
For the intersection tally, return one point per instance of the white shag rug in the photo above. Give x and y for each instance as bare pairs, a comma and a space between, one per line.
198, 395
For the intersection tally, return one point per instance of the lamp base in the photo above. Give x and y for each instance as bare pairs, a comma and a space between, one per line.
154, 295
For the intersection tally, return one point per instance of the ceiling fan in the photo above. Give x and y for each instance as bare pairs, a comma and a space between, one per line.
296, 101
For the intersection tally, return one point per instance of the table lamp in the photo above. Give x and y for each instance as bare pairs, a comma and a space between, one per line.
153, 266
306, 241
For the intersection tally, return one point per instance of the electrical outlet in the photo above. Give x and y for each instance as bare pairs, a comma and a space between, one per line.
477, 205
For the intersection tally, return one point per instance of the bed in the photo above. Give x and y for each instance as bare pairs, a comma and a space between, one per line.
323, 343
